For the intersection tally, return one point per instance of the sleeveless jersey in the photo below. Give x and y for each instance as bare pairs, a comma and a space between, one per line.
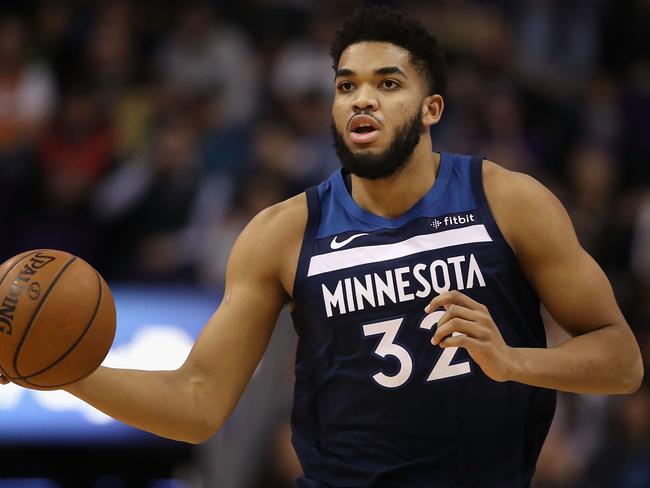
375, 403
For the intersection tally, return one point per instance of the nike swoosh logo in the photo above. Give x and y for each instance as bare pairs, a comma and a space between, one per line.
338, 245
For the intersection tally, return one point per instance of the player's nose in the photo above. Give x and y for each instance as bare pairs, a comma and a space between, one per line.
365, 99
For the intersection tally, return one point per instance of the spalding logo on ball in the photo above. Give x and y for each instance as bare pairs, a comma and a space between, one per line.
57, 319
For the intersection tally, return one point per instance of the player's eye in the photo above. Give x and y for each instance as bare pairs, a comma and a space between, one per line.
345, 86
389, 84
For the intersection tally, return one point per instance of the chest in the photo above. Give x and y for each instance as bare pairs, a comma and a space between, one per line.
364, 273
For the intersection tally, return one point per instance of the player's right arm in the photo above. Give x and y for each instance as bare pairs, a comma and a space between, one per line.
193, 402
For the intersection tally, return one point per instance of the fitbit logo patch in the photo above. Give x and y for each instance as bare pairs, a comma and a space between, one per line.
451, 221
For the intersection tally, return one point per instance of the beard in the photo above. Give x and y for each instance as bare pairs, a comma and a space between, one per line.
386, 163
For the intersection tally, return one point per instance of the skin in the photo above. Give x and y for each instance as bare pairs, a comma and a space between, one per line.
602, 355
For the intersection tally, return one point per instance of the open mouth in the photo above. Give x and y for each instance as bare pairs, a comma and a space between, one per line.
363, 129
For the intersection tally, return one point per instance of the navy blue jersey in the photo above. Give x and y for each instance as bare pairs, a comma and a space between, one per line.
376, 404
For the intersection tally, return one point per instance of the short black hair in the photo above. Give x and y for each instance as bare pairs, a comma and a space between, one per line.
382, 24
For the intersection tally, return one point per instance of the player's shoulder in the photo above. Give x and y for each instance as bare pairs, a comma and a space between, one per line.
511, 185
523, 208
285, 219
273, 238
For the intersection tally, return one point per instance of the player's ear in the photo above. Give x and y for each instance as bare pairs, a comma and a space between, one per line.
432, 108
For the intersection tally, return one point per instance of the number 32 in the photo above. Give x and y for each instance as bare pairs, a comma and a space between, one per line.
387, 347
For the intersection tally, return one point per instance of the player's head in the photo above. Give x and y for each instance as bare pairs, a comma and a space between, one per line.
390, 78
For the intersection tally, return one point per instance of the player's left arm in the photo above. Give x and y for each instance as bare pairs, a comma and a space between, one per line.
602, 356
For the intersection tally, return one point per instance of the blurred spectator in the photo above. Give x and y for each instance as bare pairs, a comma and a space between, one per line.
505, 139
623, 459
461, 119
110, 53
73, 155
557, 51
77, 150
206, 55
641, 244
120, 81
557, 466
469, 30
276, 148
593, 181
147, 203
602, 117
578, 426
625, 34
27, 90
27, 98
225, 147
557, 43
636, 107
640, 265
303, 87
261, 189
304, 65
56, 35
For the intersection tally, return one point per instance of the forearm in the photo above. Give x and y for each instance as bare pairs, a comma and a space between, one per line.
604, 361
161, 402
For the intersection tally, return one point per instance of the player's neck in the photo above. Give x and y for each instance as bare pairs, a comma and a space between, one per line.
391, 197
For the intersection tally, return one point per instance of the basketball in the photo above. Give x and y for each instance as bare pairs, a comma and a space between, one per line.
57, 319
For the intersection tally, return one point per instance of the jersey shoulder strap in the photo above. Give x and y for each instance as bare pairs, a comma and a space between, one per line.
311, 230
483, 207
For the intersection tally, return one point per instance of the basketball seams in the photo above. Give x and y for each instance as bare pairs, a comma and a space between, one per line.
100, 297
37, 311
54, 387
92, 320
11, 268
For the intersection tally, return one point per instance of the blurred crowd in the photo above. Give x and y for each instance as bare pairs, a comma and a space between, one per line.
143, 136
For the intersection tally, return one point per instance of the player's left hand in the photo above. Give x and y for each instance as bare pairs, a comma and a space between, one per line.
478, 333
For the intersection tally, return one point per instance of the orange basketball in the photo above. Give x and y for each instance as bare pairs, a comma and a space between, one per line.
57, 319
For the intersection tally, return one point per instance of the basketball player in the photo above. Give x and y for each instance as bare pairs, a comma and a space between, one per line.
415, 281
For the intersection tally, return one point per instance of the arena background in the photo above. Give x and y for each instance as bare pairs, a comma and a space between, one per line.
143, 135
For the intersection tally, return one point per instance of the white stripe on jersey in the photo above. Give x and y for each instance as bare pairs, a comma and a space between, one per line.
349, 258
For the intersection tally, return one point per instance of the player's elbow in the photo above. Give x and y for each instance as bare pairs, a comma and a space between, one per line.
200, 428
633, 377
628, 371
192, 428
626, 368
200, 433
203, 415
